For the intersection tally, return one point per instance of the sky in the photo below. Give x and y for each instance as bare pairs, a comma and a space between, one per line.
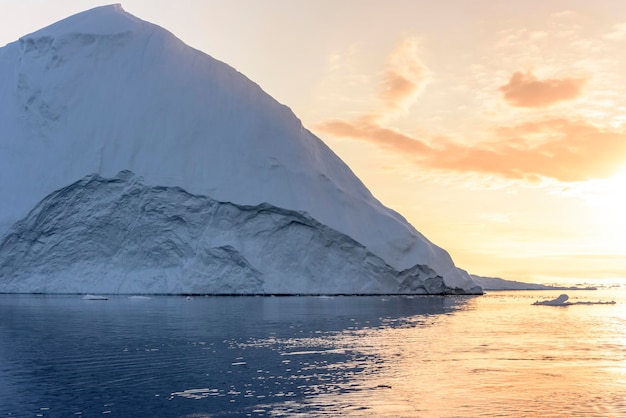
497, 128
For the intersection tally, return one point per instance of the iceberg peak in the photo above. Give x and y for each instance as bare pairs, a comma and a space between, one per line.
103, 20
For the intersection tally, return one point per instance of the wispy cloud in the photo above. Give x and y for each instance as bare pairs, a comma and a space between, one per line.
369, 130
562, 149
526, 90
565, 149
565, 14
618, 32
403, 79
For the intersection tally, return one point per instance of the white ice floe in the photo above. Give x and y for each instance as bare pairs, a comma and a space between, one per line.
94, 297
562, 300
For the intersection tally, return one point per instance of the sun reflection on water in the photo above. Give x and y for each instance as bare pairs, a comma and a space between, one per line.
495, 355
499, 355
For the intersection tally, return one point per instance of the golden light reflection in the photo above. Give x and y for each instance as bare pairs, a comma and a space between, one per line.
496, 353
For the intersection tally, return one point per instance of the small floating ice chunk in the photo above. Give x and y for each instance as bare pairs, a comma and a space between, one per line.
94, 297
196, 393
562, 300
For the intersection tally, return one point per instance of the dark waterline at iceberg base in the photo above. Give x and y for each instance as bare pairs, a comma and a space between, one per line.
351, 356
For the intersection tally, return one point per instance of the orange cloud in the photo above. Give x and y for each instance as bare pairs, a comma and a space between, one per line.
567, 150
526, 90
404, 77
368, 130
558, 148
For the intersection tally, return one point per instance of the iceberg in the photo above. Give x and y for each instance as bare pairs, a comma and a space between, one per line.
562, 300
104, 92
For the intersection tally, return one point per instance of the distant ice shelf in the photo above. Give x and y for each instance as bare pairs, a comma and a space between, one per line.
496, 283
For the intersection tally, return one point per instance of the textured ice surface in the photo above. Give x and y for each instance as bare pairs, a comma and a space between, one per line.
118, 235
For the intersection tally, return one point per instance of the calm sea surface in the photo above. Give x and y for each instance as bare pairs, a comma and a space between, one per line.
492, 355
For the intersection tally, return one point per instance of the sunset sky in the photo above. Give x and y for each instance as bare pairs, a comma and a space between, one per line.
497, 128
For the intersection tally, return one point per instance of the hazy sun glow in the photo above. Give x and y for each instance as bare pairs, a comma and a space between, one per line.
607, 199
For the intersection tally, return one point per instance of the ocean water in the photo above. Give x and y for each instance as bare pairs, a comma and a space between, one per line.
431, 356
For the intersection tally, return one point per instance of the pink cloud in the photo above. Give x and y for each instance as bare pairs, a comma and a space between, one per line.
571, 151
368, 130
403, 79
559, 148
526, 90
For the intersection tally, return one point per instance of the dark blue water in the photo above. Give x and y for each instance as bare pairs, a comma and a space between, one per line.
61, 356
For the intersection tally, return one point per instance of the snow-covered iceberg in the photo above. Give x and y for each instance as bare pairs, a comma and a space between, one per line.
103, 92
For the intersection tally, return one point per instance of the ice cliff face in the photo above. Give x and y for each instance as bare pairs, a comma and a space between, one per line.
121, 236
103, 91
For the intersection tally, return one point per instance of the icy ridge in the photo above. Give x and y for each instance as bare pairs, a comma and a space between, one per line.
103, 91
118, 235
